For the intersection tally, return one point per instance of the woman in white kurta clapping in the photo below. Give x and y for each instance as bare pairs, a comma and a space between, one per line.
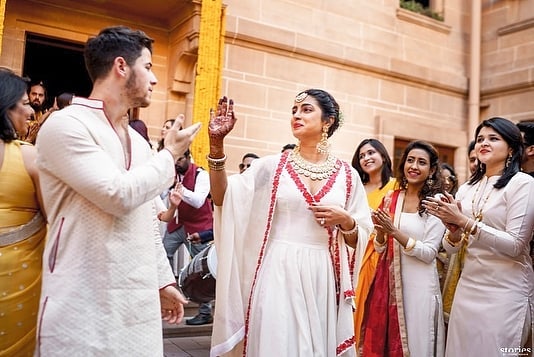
493, 215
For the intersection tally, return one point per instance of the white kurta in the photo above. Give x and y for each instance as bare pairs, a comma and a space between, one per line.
423, 310
493, 303
103, 262
293, 309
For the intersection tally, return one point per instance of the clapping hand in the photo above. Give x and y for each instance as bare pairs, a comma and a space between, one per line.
178, 140
382, 221
222, 120
444, 207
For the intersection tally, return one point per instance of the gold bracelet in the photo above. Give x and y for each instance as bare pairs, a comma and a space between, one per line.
447, 238
216, 164
410, 244
467, 232
377, 242
218, 160
466, 223
350, 231
474, 226
381, 244
216, 167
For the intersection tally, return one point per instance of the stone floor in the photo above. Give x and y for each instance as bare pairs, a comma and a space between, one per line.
198, 346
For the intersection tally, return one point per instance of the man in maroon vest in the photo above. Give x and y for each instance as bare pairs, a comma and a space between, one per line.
193, 220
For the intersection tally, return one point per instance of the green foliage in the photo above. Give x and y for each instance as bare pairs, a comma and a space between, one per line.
414, 6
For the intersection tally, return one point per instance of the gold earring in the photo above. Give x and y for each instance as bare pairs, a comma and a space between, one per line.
508, 160
323, 146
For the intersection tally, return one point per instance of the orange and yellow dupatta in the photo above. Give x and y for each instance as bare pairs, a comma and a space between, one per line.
383, 328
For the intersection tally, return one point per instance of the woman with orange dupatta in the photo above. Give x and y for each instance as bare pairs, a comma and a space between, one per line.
403, 312
373, 163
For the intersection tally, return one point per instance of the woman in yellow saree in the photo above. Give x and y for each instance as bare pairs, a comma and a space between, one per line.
22, 225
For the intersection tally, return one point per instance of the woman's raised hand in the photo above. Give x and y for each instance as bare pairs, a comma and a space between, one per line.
222, 119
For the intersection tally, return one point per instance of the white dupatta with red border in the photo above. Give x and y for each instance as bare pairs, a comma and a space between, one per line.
246, 214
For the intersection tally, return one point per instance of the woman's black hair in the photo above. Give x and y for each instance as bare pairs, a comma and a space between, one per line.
386, 170
512, 135
328, 105
12, 89
453, 177
428, 189
162, 140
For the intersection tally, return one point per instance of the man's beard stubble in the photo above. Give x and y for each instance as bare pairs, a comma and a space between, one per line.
136, 98
36, 107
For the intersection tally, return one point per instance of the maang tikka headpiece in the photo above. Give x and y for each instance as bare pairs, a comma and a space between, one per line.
300, 97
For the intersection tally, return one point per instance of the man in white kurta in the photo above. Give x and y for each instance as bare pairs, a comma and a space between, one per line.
106, 279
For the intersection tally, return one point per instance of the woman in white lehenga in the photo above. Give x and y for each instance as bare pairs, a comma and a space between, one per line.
285, 230
493, 305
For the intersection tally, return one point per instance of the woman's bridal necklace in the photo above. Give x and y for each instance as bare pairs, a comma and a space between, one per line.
313, 171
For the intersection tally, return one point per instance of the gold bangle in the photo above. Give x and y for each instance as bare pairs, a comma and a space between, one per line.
466, 224
468, 232
216, 164
220, 160
474, 226
350, 231
381, 244
447, 238
374, 234
216, 167
410, 244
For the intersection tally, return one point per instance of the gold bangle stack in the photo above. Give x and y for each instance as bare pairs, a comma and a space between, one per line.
467, 232
216, 164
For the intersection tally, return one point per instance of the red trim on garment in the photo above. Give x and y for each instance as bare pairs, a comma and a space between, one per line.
345, 345
38, 349
348, 193
276, 182
55, 246
333, 246
99, 104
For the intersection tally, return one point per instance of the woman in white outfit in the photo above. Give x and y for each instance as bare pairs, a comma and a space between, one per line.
492, 309
285, 230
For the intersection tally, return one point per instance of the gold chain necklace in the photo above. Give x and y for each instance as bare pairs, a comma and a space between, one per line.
313, 171
478, 214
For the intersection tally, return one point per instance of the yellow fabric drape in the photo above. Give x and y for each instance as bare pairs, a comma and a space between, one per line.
20, 261
369, 261
208, 78
2, 18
